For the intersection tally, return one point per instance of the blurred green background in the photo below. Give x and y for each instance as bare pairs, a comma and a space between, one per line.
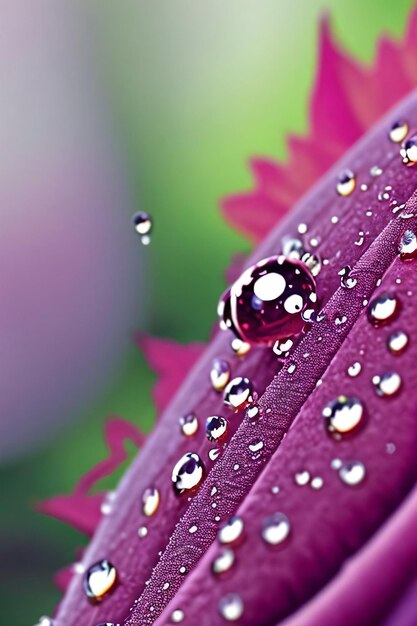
194, 88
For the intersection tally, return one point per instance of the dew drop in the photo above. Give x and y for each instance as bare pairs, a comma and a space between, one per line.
346, 280
275, 490
346, 183
313, 263
214, 453
99, 579
352, 473
107, 504
231, 607
193, 529
283, 346
223, 562
302, 478
343, 415
409, 151
253, 413
189, 424
408, 246
240, 347
219, 374
383, 309
256, 446
143, 224
354, 369
387, 385
317, 482
293, 249
302, 229
232, 531
398, 131
216, 428
142, 532
238, 393
375, 171
177, 616
188, 473
276, 529
398, 342
150, 501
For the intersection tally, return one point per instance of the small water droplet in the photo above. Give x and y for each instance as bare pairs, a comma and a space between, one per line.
166, 586
193, 529
334, 219
256, 446
45, 621
317, 482
387, 385
214, 453
346, 280
313, 262
223, 562
182, 570
142, 532
177, 616
302, 478
216, 428
283, 346
188, 424
240, 347
99, 579
346, 183
231, 607
340, 320
398, 131
275, 490
238, 393
219, 374
409, 151
398, 342
253, 413
408, 246
188, 473
354, 369
291, 368
302, 229
375, 171
276, 529
232, 531
336, 464
150, 501
391, 448
383, 309
343, 415
107, 504
143, 224
352, 473
293, 248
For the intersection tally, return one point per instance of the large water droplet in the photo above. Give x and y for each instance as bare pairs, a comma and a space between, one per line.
398, 131
398, 342
352, 473
388, 384
408, 246
188, 473
223, 562
216, 428
343, 415
150, 501
143, 224
266, 303
409, 151
219, 374
231, 607
383, 309
346, 183
99, 579
276, 529
189, 424
238, 393
231, 532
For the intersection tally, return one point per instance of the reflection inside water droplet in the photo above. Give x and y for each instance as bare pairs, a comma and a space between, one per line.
188, 473
99, 579
238, 393
352, 473
383, 309
216, 428
388, 384
346, 183
343, 415
231, 607
188, 424
219, 374
408, 246
143, 224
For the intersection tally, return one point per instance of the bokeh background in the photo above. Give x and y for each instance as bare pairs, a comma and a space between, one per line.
108, 107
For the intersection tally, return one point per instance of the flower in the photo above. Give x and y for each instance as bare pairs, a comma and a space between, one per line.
320, 471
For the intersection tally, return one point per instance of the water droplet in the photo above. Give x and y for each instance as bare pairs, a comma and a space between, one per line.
143, 224
216, 428
150, 501
390, 448
223, 562
189, 424
188, 473
346, 183
398, 342
238, 393
177, 616
45, 621
313, 262
256, 446
183, 570
275, 490
142, 532
240, 347
343, 415
232, 531
253, 413
276, 529
219, 374
354, 369
166, 586
302, 478
387, 384
336, 464
193, 529
283, 346
409, 151
317, 482
340, 320
408, 246
302, 229
398, 131
383, 309
99, 579
231, 607
107, 504
267, 301
346, 280
352, 473
214, 453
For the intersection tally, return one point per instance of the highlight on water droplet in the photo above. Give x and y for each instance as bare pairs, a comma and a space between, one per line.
231, 607
343, 415
238, 393
223, 562
219, 374
188, 424
239, 347
177, 616
354, 369
216, 428
352, 473
398, 342
408, 151
398, 131
276, 529
383, 309
346, 183
408, 246
232, 531
150, 501
188, 474
143, 225
387, 384
99, 580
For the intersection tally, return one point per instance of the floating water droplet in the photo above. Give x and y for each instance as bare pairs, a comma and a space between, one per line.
354, 369
343, 415
238, 393
267, 301
150, 501
231, 532
177, 616
388, 384
302, 478
240, 347
189, 424
188, 473
383, 309
231, 607
352, 473
409, 151
408, 246
143, 224
142, 532
346, 183
276, 529
219, 374
398, 342
345, 279
216, 428
223, 562
398, 131
99, 579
